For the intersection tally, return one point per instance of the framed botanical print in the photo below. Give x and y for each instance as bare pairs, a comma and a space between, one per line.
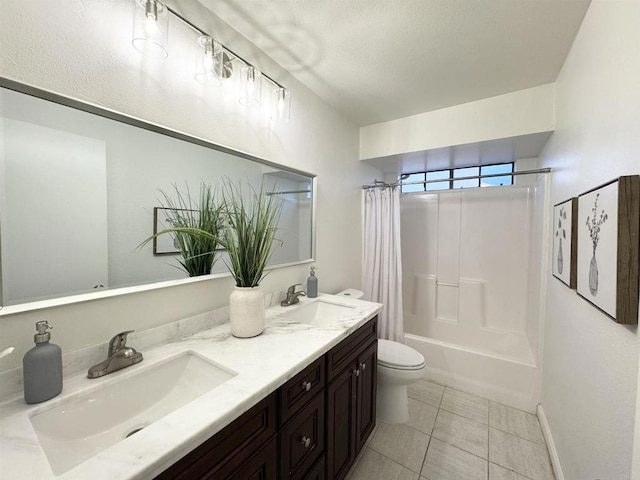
163, 244
565, 250
608, 247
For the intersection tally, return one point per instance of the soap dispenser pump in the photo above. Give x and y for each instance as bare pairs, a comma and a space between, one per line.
312, 284
42, 367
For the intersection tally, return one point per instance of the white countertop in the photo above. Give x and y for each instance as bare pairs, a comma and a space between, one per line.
262, 364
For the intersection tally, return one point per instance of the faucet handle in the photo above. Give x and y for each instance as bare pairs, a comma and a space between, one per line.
118, 341
292, 289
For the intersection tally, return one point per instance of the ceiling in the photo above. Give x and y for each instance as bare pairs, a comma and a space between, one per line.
378, 60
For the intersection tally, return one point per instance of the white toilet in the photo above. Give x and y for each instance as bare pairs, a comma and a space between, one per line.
398, 366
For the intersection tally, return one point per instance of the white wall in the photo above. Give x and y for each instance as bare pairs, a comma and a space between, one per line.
82, 49
589, 382
43, 224
510, 115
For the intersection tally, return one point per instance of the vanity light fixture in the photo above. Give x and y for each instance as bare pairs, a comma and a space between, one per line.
210, 62
281, 99
214, 61
150, 28
250, 86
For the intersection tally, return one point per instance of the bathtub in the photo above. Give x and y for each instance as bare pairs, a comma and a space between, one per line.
514, 381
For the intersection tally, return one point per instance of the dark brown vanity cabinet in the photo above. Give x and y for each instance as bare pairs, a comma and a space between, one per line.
302, 419
351, 398
245, 449
312, 428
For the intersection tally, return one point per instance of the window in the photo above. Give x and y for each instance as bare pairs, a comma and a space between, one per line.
457, 178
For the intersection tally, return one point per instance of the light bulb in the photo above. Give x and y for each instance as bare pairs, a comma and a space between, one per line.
250, 87
281, 104
207, 61
209, 57
150, 28
151, 20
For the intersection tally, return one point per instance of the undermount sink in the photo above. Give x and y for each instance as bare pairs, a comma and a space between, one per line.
82, 426
320, 313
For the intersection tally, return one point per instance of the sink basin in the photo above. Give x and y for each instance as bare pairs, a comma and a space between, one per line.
82, 426
320, 313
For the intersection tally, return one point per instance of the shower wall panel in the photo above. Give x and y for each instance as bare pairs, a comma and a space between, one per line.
494, 247
466, 267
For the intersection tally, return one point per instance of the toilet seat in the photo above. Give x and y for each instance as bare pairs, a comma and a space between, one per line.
397, 356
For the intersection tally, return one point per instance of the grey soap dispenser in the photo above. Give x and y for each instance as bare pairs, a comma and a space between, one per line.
312, 284
42, 367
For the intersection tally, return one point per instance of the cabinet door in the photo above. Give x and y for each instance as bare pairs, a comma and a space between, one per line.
344, 354
341, 423
366, 408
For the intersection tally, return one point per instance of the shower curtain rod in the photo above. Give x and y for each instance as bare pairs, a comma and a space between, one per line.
381, 184
288, 192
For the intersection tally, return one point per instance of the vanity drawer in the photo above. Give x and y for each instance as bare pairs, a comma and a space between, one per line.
229, 449
340, 356
262, 466
302, 440
294, 394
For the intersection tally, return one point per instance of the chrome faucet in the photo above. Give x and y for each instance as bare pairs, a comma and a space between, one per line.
120, 356
292, 295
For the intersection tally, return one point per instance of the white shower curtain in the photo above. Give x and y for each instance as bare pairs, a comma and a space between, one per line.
382, 263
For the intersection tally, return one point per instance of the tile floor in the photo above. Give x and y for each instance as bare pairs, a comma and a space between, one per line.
452, 435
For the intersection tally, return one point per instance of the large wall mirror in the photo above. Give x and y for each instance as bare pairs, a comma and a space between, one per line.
79, 186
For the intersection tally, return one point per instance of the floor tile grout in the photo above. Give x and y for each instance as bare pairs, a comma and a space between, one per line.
487, 426
510, 470
522, 438
424, 457
397, 463
489, 421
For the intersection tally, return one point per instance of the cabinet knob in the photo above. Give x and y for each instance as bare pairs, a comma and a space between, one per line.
306, 386
356, 372
306, 441
363, 366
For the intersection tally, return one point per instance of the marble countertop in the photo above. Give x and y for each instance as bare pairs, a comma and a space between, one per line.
262, 365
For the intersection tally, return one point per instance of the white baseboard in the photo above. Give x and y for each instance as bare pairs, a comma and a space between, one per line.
551, 447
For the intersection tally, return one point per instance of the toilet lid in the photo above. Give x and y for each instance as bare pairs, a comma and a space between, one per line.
398, 356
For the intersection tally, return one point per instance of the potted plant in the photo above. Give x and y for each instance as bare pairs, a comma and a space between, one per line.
183, 214
250, 228
249, 223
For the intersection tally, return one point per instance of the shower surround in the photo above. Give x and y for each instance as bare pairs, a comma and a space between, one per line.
472, 262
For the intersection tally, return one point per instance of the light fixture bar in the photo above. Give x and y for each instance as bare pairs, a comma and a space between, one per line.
227, 50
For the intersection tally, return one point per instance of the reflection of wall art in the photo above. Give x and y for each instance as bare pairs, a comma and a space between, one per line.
164, 244
608, 244
565, 251
164, 218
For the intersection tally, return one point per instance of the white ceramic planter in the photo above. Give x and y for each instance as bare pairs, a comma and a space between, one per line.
246, 311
